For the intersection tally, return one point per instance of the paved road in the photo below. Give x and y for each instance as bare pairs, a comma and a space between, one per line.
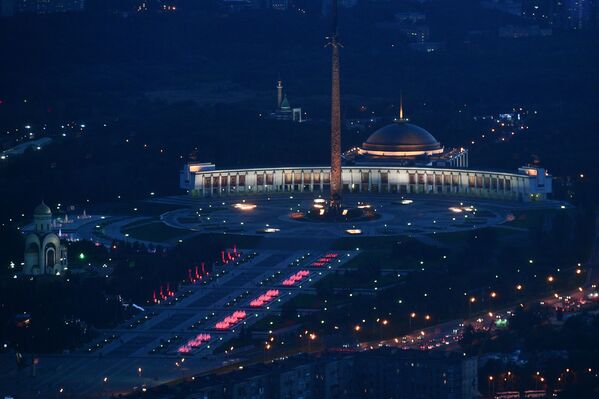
447, 334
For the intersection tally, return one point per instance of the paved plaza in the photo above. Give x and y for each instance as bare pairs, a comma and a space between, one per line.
420, 216
152, 351
271, 216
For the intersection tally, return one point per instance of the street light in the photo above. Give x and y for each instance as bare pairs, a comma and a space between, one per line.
312, 337
412, 316
470, 302
104, 384
519, 287
490, 389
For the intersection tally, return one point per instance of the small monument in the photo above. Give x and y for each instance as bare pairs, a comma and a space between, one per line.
44, 253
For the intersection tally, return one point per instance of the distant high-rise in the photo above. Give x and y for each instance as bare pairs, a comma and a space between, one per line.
326, 5
563, 14
7, 8
14, 7
581, 14
280, 5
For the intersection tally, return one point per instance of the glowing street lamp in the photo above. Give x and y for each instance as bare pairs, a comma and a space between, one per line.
427, 318
519, 287
491, 383
470, 302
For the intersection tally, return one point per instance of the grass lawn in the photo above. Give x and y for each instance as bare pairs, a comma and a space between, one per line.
460, 237
357, 280
534, 218
153, 231
349, 243
306, 301
228, 240
134, 208
271, 322
236, 343
398, 252
140, 222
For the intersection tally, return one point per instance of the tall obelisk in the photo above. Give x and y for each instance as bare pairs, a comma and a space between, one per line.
335, 199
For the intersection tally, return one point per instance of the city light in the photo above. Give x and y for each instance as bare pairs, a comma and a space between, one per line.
165, 274
244, 207
354, 231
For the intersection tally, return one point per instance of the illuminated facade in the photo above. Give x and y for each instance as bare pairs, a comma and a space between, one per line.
399, 158
527, 184
44, 253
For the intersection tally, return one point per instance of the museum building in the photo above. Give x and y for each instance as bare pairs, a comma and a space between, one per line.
400, 158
